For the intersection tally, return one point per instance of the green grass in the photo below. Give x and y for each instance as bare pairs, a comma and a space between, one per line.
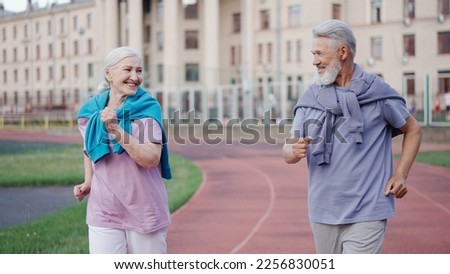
65, 232
36, 164
435, 158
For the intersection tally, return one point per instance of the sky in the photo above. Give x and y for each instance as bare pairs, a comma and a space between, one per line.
20, 5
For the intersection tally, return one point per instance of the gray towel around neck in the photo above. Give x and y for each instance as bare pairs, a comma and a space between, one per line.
364, 88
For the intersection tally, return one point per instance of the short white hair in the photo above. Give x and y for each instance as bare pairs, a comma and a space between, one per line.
113, 58
338, 31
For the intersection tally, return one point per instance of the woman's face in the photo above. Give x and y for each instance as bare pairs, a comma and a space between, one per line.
126, 77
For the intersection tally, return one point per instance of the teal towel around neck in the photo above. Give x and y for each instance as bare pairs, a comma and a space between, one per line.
141, 105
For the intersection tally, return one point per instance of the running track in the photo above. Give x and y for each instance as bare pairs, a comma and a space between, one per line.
250, 201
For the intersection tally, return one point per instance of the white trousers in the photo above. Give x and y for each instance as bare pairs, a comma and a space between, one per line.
356, 238
118, 241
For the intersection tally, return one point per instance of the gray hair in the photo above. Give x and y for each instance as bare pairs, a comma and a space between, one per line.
112, 60
338, 31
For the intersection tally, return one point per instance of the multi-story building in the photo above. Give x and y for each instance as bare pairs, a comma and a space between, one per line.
221, 58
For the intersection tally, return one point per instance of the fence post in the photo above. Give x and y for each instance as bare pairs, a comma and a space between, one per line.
426, 108
22, 122
46, 122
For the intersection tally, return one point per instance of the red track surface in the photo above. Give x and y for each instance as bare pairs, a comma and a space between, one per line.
250, 201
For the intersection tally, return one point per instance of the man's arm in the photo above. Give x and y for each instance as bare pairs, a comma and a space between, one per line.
410, 146
295, 149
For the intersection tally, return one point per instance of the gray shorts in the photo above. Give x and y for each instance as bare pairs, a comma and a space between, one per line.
356, 238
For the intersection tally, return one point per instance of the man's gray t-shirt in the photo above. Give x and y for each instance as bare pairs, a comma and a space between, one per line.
351, 187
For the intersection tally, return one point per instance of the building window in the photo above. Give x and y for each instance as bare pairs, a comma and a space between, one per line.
409, 45
50, 73
16, 76
337, 11
25, 31
75, 23
75, 48
444, 7
37, 28
376, 47
90, 70
147, 7
294, 15
38, 97
148, 34
444, 81
375, 8
289, 51
63, 72
50, 97
15, 55
88, 21
50, 50
27, 75
298, 50
191, 39
160, 40
5, 98
233, 55
260, 53
49, 27
269, 53
62, 25
38, 52
444, 42
63, 96
27, 97
4, 34
14, 32
410, 85
192, 72
5, 77
236, 23
160, 11
63, 49
4, 56
265, 19
38, 74
409, 7
191, 11
76, 71
89, 46
76, 95
160, 73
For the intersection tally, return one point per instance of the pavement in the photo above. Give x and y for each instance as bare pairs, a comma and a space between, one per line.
250, 201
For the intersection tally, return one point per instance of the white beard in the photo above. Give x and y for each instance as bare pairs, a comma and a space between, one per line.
330, 74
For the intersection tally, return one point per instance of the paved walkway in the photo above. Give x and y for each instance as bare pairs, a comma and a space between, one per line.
250, 201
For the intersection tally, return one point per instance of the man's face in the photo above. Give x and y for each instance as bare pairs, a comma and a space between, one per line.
326, 60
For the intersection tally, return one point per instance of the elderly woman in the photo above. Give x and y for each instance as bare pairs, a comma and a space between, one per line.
125, 161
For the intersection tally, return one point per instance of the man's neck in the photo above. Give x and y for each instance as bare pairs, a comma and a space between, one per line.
345, 76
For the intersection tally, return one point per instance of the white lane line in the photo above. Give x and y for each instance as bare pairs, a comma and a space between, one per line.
264, 216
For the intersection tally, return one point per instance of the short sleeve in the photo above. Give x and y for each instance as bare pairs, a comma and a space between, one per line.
82, 123
147, 131
395, 112
297, 124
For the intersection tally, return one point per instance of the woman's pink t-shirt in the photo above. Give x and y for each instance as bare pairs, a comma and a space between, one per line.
125, 195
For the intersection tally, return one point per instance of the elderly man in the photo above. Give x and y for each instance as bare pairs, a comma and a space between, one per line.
343, 126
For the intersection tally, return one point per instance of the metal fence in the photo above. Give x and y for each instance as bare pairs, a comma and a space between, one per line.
428, 99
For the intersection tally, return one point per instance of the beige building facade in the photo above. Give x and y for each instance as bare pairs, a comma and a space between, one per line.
218, 58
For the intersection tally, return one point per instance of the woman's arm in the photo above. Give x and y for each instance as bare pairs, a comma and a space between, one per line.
82, 190
146, 155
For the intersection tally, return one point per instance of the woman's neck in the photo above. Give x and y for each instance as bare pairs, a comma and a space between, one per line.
115, 101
